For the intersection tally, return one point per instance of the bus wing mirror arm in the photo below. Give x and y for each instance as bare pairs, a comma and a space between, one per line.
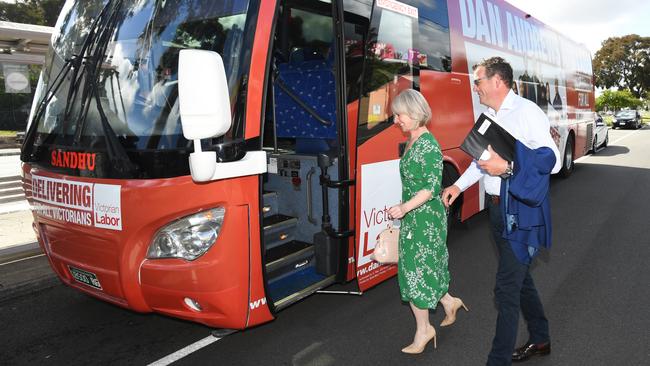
204, 106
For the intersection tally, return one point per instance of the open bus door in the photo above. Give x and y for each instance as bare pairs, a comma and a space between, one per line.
388, 69
305, 192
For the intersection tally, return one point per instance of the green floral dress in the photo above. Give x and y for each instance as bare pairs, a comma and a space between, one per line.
422, 268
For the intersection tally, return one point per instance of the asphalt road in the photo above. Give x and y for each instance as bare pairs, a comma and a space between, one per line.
594, 284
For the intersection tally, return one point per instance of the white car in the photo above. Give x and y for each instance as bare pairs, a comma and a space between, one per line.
601, 134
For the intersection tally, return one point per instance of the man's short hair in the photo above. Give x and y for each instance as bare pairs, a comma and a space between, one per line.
497, 66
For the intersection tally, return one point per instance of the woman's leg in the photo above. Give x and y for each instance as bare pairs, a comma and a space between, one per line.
421, 319
451, 305
447, 302
424, 331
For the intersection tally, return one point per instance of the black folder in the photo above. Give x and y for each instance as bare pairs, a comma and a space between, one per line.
487, 132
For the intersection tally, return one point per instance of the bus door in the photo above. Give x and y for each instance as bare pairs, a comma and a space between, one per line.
407, 45
390, 57
302, 205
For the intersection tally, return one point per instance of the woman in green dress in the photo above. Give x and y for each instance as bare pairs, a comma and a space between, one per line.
422, 266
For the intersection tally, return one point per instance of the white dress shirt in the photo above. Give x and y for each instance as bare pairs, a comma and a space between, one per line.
527, 123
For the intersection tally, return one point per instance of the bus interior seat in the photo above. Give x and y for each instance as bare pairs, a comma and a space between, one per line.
310, 78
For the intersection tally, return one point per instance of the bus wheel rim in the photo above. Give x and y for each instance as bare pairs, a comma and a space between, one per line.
568, 157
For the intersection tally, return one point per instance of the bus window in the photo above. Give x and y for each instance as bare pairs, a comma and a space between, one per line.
307, 32
357, 20
135, 94
304, 94
390, 57
312, 31
433, 41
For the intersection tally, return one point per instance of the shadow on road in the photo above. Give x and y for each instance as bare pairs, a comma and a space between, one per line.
613, 150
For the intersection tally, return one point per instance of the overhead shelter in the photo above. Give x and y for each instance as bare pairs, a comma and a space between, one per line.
23, 43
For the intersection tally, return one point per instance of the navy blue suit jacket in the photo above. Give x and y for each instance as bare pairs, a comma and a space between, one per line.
527, 200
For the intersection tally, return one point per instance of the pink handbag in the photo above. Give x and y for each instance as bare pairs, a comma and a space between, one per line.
386, 250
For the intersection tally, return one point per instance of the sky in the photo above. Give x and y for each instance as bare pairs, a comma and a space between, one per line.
591, 22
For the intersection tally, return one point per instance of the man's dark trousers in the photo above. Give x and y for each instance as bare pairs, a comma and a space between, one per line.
514, 290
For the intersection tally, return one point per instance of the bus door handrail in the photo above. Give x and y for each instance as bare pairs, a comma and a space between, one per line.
310, 206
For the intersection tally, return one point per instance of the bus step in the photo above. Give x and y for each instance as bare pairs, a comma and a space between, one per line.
288, 255
295, 285
291, 264
278, 229
270, 204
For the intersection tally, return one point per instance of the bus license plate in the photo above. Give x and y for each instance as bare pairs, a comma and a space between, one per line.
85, 277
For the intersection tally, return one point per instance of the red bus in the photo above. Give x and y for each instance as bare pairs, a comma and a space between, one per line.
225, 182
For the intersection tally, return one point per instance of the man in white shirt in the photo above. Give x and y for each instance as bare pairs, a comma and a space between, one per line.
514, 288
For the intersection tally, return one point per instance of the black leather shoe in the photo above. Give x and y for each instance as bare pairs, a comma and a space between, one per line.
530, 349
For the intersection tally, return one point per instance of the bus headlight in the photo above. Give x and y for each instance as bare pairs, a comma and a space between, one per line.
189, 237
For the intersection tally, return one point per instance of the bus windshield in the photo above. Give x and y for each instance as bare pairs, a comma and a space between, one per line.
113, 70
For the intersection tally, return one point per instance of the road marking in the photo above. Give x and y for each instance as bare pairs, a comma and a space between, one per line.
21, 259
185, 351
624, 137
610, 143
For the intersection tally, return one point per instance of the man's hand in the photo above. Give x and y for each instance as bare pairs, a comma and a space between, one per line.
449, 195
495, 165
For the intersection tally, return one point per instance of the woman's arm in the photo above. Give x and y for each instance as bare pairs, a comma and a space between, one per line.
398, 211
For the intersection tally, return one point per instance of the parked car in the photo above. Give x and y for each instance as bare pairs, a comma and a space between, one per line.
627, 118
601, 134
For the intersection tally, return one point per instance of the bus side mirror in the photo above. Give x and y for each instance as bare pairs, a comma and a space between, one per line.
204, 105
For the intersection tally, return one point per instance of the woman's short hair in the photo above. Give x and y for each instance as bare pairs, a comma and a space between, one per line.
412, 103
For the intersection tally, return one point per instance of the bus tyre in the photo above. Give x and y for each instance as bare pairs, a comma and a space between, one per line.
449, 177
567, 160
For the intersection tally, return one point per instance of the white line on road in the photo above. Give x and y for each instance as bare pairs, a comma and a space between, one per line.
185, 351
624, 136
21, 259
610, 143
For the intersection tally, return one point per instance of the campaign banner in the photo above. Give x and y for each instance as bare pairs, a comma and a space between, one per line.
81, 203
381, 188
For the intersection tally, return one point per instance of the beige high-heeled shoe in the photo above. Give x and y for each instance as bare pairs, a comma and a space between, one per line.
414, 349
451, 317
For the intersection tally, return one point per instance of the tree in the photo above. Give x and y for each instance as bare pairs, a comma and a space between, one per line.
624, 63
39, 12
51, 10
618, 99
